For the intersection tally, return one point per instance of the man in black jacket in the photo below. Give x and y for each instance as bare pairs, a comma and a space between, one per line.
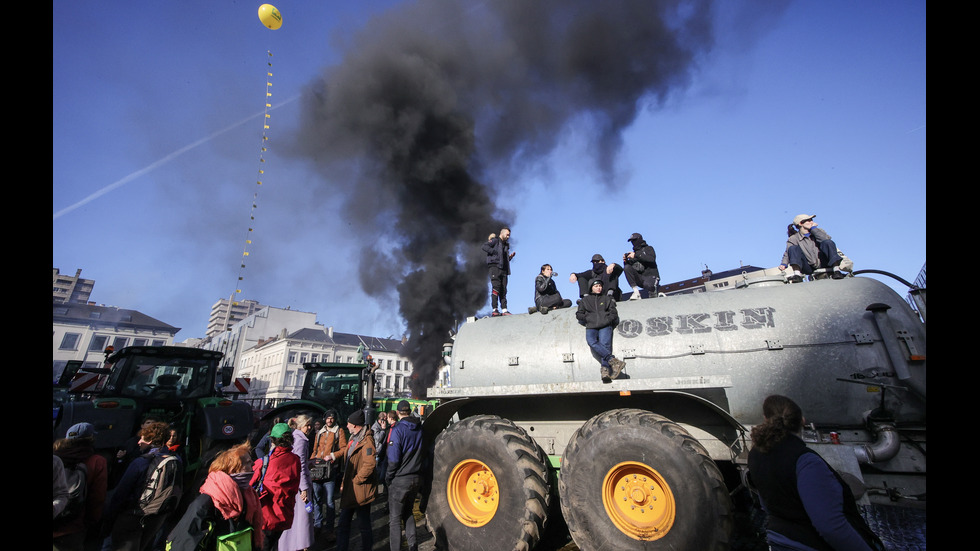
608, 273
597, 312
641, 267
498, 264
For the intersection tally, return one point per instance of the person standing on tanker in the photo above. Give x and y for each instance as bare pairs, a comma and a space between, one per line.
809, 248
608, 273
809, 505
498, 264
546, 295
597, 312
641, 267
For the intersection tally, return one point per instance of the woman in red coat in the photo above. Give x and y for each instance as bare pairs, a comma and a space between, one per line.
280, 485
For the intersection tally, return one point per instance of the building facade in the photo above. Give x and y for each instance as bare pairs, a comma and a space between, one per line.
72, 289
227, 312
83, 331
275, 366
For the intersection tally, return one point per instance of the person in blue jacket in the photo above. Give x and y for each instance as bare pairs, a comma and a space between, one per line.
809, 505
406, 457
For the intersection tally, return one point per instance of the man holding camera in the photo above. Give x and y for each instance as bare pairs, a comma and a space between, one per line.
641, 267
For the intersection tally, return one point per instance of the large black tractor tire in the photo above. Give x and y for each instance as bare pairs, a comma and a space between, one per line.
489, 487
631, 479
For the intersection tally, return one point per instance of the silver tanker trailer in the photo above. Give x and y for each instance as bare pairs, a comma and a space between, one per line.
652, 460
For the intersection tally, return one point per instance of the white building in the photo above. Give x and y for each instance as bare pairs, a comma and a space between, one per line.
275, 366
83, 331
261, 325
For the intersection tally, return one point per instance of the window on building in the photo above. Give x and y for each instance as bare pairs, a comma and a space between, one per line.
139, 342
69, 341
303, 357
350, 359
389, 364
94, 315
292, 357
98, 343
314, 357
119, 343
398, 365
158, 342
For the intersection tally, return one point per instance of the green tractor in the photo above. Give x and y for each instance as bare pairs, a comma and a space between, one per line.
183, 386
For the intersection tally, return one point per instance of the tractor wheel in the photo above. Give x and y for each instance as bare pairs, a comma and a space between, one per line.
631, 479
489, 486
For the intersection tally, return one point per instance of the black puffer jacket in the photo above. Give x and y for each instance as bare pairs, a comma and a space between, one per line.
597, 311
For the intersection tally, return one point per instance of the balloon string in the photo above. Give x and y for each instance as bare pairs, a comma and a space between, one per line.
255, 195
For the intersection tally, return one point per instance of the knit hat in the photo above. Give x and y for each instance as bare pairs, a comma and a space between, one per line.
279, 429
80, 430
357, 418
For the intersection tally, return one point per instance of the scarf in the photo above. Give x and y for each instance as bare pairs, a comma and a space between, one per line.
227, 492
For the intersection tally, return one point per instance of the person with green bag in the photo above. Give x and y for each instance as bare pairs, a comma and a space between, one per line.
226, 515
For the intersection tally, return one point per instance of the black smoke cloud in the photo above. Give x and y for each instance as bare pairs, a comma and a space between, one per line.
435, 102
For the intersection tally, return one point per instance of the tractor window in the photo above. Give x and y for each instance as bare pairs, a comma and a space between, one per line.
332, 388
162, 378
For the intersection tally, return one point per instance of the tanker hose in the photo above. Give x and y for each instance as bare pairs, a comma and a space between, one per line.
885, 446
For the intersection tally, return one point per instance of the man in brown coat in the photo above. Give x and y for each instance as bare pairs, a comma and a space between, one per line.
330, 443
359, 486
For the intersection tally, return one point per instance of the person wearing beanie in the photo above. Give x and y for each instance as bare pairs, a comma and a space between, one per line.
608, 273
359, 485
597, 312
406, 456
641, 267
78, 448
330, 444
279, 475
809, 248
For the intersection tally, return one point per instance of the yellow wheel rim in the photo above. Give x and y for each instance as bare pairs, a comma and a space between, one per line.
473, 493
638, 501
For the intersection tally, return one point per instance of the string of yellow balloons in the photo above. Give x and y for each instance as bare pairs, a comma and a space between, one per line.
271, 18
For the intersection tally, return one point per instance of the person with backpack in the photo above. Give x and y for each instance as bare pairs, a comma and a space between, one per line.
276, 478
88, 475
226, 505
147, 493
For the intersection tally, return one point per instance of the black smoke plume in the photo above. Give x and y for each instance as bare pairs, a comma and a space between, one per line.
435, 102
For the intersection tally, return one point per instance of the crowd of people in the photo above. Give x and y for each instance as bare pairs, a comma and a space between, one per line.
268, 494
810, 251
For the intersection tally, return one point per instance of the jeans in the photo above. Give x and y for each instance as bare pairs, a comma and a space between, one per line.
600, 341
324, 494
827, 256
401, 501
363, 525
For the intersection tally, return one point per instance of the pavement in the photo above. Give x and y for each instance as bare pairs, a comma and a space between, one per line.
901, 529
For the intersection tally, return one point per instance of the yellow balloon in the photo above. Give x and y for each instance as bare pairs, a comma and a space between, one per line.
270, 16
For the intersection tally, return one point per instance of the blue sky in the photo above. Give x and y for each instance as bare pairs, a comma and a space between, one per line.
815, 107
